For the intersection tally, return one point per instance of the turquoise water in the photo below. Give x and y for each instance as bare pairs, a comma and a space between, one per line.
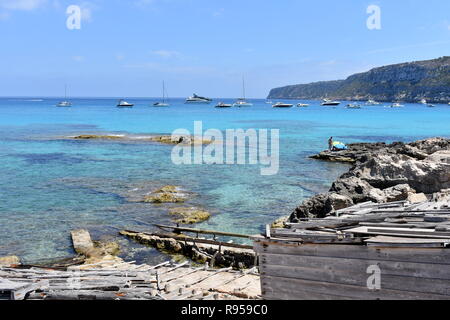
49, 185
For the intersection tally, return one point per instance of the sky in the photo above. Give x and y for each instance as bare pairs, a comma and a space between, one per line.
126, 48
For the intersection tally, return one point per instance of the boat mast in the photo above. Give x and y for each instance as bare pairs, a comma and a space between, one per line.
243, 87
164, 90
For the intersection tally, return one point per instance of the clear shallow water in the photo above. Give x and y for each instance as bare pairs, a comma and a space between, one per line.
50, 186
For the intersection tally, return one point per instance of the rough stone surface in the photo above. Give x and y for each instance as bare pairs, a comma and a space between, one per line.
9, 261
383, 173
167, 194
190, 215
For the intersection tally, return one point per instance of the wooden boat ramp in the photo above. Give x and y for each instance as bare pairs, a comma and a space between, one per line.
128, 281
393, 251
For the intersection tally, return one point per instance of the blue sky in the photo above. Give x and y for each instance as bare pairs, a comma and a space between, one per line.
127, 47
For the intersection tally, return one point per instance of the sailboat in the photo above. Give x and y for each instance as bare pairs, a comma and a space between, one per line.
163, 103
64, 103
241, 102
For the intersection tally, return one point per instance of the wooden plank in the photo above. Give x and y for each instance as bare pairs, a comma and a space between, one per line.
419, 255
358, 277
401, 232
214, 281
407, 241
192, 278
276, 286
199, 231
358, 266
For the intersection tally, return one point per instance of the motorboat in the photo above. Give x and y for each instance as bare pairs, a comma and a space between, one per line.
66, 103
396, 105
328, 102
123, 104
302, 105
371, 102
163, 103
353, 106
282, 105
195, 99
223, 105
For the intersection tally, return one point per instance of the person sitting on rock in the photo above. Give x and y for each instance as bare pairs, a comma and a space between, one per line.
330, 144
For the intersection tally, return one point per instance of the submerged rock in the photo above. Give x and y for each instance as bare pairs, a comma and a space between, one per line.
279, 223
190, 215
167, 194
9, 261
97, 137
94, 252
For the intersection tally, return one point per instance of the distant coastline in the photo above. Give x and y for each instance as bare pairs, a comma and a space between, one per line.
405, 82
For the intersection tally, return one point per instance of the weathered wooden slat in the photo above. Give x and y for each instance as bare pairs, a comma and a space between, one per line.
419, 255
402, 232
199, 231
276, 285
358, 276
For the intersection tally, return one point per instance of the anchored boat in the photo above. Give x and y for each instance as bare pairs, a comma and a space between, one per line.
223, 105
123, 104
64, 103
282, 105
196, 99
241, 102
163, 103
328, 102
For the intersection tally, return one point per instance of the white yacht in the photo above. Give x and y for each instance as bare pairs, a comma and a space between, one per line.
241, 102
396, 105
123, 104
371, 102
223, 105
163, 103
282, 105
195, 99
65, 103
328, 102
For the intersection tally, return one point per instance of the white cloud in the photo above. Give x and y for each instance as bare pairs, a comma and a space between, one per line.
78, 58
179, 70
4, 16
218, 12
143, 3
166, 54
25, 5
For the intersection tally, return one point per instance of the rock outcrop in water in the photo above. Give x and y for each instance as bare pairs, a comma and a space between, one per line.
409, 82
383, 173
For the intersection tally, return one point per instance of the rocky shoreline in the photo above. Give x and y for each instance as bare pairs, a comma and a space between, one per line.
382, 173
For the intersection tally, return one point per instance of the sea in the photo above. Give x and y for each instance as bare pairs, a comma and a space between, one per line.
51, 184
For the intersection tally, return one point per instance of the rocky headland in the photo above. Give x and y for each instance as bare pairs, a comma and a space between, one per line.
409, 82
383, 173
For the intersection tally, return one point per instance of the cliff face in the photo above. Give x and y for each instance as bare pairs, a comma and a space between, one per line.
409, 82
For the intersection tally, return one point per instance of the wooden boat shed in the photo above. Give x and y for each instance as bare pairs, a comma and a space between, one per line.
394, 251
